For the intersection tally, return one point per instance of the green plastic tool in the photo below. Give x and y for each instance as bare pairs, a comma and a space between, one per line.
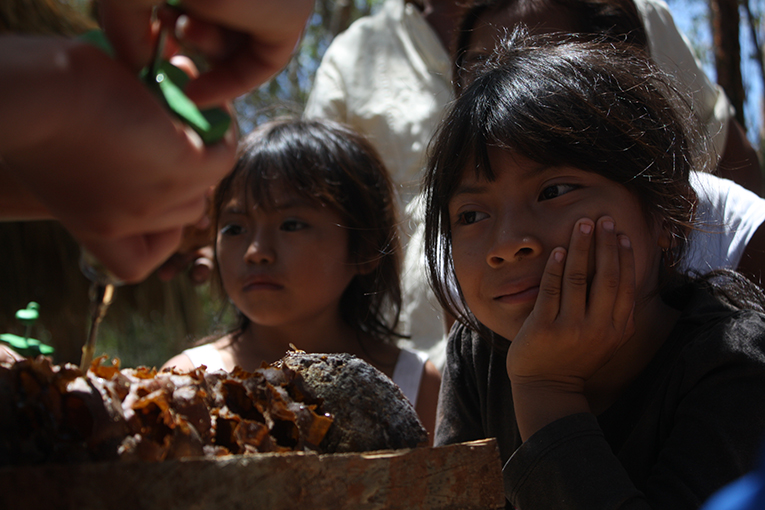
99, 40
25, 345
167, 82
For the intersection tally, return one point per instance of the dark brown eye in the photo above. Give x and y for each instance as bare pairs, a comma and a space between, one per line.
555, 191
470, 217
231, 229
293, 225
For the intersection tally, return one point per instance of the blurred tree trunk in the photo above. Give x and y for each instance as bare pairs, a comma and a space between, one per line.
727, 50
337, 15
760, 56
341, 16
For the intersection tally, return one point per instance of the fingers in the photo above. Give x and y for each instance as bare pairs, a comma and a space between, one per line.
8, 355
197, 264
599, 276
130, 29
606, 280
133, 258
594, 279
547, 305
235, 64
206, 38
242, 72
575, 280
270, 21
612, 294
246, 42
201, 270
624, 306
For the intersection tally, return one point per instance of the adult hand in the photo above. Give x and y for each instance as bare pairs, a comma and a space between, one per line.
8, 355
99, 153
197, 264
194, 256
245, 43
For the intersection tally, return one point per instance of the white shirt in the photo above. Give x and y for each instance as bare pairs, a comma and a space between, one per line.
389, 77
727, 217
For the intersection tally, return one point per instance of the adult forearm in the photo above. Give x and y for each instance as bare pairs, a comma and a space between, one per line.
17, 203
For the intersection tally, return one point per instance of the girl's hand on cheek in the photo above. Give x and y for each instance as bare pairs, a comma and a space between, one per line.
575, 327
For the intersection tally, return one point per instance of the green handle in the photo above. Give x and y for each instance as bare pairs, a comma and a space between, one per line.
167, 82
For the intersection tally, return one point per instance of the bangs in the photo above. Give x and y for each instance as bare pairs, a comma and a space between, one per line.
283, 166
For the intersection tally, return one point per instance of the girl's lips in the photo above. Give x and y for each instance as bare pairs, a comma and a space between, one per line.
521, 296
261, 284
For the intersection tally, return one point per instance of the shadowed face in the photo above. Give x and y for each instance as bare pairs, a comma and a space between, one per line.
283, 264
503, 233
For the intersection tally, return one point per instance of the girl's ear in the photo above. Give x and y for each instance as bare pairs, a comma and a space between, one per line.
665, 237
668, 236
666, 244
364, 268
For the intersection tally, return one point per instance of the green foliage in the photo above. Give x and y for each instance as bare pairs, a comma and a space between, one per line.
153, 338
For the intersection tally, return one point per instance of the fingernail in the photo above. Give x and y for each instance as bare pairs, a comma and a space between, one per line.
624, 241
193, 137
585, 228
230, 136
558, 255
203, 222
180, 26
608, 225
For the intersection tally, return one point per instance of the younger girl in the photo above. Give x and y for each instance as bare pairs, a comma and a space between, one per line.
307, 250
558, 205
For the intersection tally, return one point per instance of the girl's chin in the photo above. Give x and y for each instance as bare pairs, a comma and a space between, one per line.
508, 330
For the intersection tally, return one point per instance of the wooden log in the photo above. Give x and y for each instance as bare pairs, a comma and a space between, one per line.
463, 476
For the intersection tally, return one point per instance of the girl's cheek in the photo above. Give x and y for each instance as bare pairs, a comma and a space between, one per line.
461, 271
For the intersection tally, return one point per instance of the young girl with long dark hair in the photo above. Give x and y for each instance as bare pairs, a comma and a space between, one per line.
307, 250
558, 208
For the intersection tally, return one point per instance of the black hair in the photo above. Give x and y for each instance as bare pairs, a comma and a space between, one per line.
332, 165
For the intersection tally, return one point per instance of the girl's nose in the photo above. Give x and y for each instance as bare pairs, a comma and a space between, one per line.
260, 251
511, 244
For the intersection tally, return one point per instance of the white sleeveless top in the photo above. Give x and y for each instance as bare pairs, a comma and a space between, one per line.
407, 373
